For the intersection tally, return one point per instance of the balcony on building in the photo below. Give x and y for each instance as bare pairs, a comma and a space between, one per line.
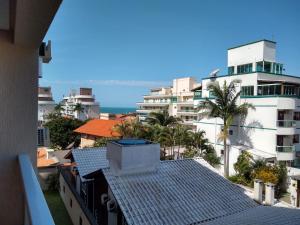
286, 148
23, 26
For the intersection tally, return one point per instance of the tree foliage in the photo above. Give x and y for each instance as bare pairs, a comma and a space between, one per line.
224, 106
62, 130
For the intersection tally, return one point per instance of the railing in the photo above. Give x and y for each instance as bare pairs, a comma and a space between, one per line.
36, 208
285, 148
186, 111
286, 123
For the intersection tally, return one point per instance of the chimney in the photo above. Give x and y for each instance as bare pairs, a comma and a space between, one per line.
269, 195
258, 190
131, 156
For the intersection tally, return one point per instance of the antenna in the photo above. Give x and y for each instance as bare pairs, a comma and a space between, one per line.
214, 73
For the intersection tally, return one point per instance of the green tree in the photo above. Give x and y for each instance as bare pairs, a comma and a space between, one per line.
62, 130
224, 106
78, 108
244, 166
162, 118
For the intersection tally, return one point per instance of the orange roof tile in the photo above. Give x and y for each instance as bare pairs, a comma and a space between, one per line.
99, 128
42, 160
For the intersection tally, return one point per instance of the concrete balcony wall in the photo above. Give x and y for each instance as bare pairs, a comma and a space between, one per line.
18, 124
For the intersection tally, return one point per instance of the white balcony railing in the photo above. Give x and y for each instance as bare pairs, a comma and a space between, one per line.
286, 123
285, 148
36, 208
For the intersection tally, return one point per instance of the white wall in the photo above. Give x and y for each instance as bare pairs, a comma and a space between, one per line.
18, 123
255, 52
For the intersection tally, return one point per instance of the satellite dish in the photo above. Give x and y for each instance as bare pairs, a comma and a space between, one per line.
214, 73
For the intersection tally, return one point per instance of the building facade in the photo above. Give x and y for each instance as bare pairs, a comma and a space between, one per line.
177, 100
46, 104
89, 108
271, 131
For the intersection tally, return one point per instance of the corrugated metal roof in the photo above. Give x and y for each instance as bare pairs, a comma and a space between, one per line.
180, 192
261, 215
89, 160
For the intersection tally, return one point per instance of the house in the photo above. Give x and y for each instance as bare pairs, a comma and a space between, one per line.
88, 107
177, 100
95, 129
126, 183
269, 132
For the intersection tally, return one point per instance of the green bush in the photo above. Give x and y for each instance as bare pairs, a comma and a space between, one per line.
52, 182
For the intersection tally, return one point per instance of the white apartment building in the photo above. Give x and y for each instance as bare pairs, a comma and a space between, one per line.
177, 100
90, 108
46, 104
272, 130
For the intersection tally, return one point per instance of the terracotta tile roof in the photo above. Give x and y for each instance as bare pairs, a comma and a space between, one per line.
99, 128
42, 160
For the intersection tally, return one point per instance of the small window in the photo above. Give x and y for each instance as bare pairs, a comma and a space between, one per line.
296, 139
80, 220
230, 70
230, 132
222, 151
71, 203
296, 115
247, 91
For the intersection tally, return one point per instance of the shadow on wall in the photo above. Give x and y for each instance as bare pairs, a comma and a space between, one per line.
246, 131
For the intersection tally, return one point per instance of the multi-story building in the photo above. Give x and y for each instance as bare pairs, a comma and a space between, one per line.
46, 104
177, 100
271, 131
81, 105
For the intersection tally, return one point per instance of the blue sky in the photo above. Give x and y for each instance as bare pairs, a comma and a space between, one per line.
121, 48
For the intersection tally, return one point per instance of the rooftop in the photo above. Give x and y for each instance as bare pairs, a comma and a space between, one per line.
180, 192
99, 128
253, 42
89, 160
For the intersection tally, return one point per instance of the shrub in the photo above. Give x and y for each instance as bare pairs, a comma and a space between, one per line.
52, 182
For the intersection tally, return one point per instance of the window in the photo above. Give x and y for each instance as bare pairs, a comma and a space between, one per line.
267, 67
273, 89
71, 203
297, 116
230, 132
230, 70
80, 220
296, 138
222, 151
246, 68
247, 91
259, 67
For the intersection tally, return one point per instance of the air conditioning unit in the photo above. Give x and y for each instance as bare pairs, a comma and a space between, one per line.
104, 199
45, 52
111, 206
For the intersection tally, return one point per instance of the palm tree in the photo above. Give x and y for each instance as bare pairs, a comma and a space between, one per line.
224, 106
78, 108
58, 108
199, 142
182, 136
162, 118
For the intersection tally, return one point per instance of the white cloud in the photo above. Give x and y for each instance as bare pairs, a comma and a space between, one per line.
129, 83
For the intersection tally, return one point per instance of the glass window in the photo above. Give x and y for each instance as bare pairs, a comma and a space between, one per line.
247, 91
246, 68
230, 70
267, 67
296, 138
259, 66
296, 115
268, 90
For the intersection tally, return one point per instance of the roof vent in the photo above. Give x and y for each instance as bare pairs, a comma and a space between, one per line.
130, 156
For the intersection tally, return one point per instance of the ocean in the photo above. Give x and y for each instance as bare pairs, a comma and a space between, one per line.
117, 110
